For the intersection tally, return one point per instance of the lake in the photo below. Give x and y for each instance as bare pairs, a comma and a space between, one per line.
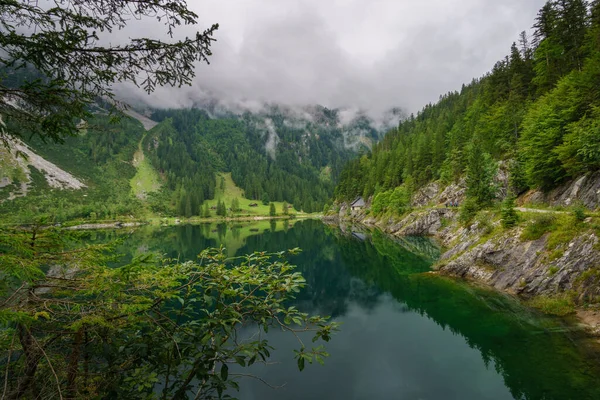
406, 333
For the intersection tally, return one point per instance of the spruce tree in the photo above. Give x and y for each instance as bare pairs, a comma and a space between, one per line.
480, 174
188, 207
285, 208
509, 216
235, 205
221, 208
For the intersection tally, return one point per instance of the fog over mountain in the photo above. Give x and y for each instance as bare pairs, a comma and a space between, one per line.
350, 54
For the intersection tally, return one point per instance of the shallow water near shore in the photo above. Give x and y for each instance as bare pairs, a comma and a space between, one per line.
406, 333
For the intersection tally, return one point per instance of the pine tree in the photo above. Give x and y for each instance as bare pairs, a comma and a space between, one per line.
181, 203
272, 211
572, 25
509, 216
188, 207
235, 205
206, 212
221, 208
480, 174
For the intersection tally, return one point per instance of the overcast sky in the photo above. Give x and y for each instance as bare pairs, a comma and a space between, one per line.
371, 54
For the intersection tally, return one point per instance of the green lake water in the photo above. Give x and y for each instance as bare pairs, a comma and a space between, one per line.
406, 333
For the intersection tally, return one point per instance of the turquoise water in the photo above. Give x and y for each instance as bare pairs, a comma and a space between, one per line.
406, 333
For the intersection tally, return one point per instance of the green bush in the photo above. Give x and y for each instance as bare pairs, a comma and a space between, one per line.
510, 217
396, 201
468, 211
484, 221
561, 305
579, 212
381, 202
541, 224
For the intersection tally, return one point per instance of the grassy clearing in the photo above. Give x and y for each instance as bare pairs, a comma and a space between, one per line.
561, 228
325, 174
146, 179
230, 191
536, 225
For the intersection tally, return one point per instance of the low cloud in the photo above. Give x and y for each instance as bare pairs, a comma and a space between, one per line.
355, 54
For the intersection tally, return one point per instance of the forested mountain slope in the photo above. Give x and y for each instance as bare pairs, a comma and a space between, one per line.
100, 157
538, 110
277, 154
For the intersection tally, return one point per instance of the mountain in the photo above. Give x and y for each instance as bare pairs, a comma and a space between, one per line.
275, 154
167, 161
536, 115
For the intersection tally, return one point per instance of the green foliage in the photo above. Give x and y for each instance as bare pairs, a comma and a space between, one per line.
150, 329
221, 208
566, 228
272, 210
190, 147
396, 201
468, 211
235, 205
560, 305
510, 218
481, 171
536, 109
579, 212
265, 198
206, 211
484, 221
580, 150
63, 62
543, 130
381, 202
539, 225
552, 270
101, 158
517, 178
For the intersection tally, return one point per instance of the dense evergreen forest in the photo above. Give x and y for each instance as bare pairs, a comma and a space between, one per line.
537, 113
277, 154
271, 155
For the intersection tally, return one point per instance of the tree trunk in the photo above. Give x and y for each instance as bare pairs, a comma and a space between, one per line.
73, 366
32, 359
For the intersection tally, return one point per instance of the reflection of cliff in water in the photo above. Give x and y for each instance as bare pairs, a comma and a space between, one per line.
341, 269
510, 338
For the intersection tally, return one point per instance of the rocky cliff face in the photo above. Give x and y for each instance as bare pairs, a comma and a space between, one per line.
586, 190
499, 257
526, 267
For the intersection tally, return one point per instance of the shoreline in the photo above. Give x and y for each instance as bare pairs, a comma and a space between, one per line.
172, 221
583, 317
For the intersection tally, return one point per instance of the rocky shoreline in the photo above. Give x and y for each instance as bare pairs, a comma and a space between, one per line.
501, 259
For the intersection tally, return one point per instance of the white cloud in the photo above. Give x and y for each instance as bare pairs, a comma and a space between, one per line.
348, 53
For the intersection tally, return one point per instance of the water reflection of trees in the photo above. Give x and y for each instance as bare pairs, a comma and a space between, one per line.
341, 270
510, 338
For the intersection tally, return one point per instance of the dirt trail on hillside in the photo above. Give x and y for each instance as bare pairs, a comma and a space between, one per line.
540, 211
